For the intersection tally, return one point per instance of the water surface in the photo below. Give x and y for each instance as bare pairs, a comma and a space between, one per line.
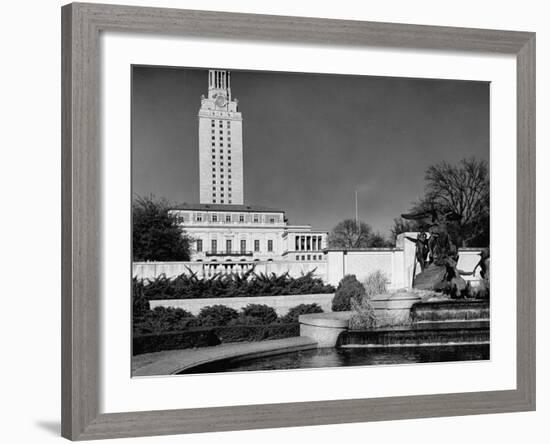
344, 357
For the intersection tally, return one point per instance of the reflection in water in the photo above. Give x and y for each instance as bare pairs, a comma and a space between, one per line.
343, 357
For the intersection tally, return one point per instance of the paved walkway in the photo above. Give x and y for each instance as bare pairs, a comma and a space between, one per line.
174, 361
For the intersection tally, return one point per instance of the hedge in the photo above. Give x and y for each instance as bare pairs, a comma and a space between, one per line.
209, 336
190, 286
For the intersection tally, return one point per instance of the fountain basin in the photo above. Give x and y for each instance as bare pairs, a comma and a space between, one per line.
324, 328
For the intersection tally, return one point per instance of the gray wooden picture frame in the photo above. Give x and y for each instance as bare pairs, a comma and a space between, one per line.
81, 167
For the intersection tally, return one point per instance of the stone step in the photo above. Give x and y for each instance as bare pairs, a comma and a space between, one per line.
451, 310
419, 334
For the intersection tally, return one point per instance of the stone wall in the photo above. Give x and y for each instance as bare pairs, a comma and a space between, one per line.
398, 264
281, 303
143, 270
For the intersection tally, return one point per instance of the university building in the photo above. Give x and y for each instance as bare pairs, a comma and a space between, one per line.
225, 229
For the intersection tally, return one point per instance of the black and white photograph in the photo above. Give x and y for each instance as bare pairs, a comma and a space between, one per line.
301, 220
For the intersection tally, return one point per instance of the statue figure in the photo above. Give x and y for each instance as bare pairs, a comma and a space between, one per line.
483, 264
440, 273
422, 249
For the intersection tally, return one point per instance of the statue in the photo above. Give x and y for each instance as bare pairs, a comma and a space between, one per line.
422, 250
440, 273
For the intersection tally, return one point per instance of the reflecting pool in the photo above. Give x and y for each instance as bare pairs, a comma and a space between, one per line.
344, 357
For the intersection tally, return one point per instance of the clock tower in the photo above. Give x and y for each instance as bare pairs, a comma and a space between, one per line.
220, 143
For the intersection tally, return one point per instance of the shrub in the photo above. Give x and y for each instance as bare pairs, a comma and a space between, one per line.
258, 314
217, 315
375, 283
295, 312
162, 320
240, 333
140, 304
349, 287
196, 337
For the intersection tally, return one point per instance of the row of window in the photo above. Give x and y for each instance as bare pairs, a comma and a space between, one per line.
229, 245
227, 218
309, 257
220, 123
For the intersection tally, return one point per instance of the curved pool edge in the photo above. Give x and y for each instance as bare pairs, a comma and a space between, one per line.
176, 361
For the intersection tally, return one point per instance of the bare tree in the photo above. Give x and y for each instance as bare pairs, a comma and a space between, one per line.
464, 190
401, 225
351, 234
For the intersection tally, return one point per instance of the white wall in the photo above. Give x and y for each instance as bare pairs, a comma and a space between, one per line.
281, 304
295, 269
30, 222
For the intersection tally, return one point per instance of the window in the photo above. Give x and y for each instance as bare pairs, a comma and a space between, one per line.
256, 218
199, 217
213, 137
229, 200
309, 257
228, 218
243, 246
214, 218
199, 245
228, 245
256, 245
297, 257
241, 217
214, 245
271, 220
270, 245
213, 123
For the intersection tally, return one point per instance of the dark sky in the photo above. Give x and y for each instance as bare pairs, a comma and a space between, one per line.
310, 140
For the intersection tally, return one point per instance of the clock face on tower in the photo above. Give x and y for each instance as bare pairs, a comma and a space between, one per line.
220, 101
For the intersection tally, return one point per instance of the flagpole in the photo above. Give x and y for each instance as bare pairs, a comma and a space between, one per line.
356, 211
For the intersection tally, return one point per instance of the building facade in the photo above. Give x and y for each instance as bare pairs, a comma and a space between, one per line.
224, 230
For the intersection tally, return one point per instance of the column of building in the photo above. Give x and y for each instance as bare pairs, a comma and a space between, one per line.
307, 243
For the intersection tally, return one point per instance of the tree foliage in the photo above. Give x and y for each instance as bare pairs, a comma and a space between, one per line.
462, 189
350, 234
156, 234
